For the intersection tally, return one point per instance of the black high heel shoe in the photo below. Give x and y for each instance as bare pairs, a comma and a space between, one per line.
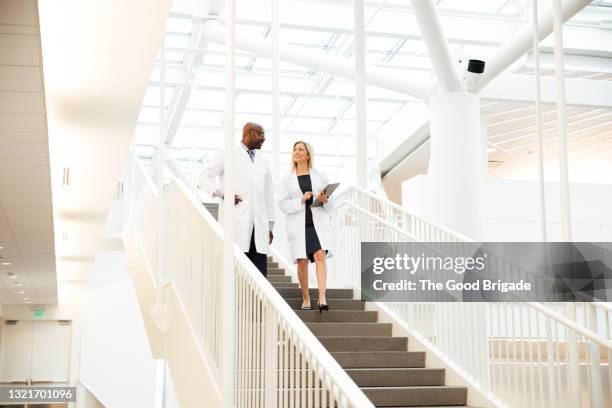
322, 307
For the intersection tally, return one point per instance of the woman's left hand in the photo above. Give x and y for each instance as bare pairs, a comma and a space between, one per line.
322, 197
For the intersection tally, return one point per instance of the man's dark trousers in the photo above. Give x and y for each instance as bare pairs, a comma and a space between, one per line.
259, 260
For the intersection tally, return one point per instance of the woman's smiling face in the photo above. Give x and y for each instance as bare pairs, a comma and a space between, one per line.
300, 154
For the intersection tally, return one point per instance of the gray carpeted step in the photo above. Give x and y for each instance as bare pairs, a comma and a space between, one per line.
285, 285
380, 359
338, 316
276, 271
416, 396
364, 344
279, 278
334, 304
351, 329
330, 293
387, 373
396, 377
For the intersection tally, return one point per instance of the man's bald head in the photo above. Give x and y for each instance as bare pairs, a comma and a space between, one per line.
253, 135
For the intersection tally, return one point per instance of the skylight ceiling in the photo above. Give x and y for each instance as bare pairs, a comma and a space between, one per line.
319, 107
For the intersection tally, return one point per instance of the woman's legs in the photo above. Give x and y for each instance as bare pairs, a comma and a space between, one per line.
319, 258
303, 278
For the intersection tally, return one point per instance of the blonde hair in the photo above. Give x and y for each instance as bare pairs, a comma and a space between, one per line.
310, 152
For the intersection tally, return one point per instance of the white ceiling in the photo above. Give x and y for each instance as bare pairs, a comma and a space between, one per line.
26, 216
98, 57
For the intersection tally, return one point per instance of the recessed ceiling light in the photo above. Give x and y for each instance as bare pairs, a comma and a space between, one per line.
12, 276
18, 284
491, 150
21, 292
28, 302
6, 263
66, 177
26, 299
1, 247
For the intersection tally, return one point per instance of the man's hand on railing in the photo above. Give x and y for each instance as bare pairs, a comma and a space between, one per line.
219, 194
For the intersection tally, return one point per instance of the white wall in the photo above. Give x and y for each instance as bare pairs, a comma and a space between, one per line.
116, 361
511, 209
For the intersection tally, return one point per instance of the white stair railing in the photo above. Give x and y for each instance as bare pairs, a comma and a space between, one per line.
279, 362
522, 354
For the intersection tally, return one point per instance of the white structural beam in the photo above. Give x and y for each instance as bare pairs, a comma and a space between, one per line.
192, 63
276, 114
566, 217
228, 356
437, 46
519, 44
361, 138
538, 117
341, 67
506, 87
579, 92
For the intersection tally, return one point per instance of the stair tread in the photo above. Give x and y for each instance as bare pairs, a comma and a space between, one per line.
338, 316
334, 304
397, 377
331, 293
421, 395
410, 369
415, 387
380, 359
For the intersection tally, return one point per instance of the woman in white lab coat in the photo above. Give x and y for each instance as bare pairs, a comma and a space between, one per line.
308, 229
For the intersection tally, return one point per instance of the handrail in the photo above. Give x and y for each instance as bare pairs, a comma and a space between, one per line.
297, 338
418, 217
581, 330
379, 219
309, 340
607, 344
518, 352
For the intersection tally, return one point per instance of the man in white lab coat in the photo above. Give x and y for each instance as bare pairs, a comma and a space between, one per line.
254, 194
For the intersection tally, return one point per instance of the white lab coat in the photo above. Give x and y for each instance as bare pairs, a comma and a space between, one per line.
291, 204
253, 183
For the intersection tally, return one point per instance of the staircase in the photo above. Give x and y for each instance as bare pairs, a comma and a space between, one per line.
213, 209
379, 363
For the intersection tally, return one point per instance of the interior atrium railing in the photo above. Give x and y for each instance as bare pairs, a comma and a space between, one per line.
523, 354
278, 360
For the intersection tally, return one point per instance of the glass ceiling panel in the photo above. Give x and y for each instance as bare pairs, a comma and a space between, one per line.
304, 38
307, 124
178, 25
475, 28
257, 103
483, 6
208, 100
324, 107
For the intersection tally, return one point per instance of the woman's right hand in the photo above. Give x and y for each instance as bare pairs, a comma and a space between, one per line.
307, 196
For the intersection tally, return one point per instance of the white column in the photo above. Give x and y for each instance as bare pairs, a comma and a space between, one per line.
541, 186
361, 158
276, 128
566, 223
455, 165
483, 144
160, 165
228, 338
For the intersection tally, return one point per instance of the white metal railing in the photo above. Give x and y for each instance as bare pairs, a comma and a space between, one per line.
278, 361
523, 354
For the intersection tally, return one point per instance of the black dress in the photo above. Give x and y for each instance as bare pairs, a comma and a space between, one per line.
312, 240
